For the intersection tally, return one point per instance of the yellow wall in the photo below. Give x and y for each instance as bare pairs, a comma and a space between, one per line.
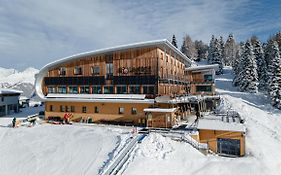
107, 111
210, 137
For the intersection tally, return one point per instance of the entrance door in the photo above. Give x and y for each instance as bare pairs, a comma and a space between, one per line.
228, 146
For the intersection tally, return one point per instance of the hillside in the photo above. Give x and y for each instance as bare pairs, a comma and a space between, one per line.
160, 155
24, 81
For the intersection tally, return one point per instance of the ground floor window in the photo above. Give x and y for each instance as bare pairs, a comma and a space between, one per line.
203, 88
108, 89
96, 89
228, 146
148, 90
72, 108
62, 108
135, 89
122, 89
84, 109
51, 108
134, 111
97, 109
121, 110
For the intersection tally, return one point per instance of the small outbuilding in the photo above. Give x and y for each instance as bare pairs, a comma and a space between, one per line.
224, 138
9, 101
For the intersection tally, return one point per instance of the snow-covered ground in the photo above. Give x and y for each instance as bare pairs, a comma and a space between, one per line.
57, 149
161, 155
84, 149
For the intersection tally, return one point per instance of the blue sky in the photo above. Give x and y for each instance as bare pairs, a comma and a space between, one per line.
34, 33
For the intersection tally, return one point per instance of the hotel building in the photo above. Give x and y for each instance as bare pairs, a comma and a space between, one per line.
140, 84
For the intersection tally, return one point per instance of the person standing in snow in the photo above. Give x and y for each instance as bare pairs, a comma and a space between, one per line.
14, 122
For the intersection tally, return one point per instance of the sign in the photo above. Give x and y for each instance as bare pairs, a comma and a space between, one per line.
135, 70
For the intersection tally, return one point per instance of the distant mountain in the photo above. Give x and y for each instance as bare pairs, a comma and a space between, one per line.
24, 81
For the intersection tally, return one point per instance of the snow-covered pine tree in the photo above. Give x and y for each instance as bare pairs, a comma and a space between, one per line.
236, 66
248, 76
222, 49
174, 41
229, 50
274, 75
217, 57
261, 63
211, 49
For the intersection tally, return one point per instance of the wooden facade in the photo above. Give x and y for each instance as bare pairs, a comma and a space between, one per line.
211, 137
161, 72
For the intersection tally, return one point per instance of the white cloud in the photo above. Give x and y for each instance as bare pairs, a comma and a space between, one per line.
33, 33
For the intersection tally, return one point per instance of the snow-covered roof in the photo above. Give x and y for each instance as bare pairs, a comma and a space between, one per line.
219, 125
185, 99
161, 110
211, 66
98, 96
10, 91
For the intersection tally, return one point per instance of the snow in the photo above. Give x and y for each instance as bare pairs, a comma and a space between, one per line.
160, 110
162, 155
86, 149
220, 125
200, 67
9, 91
12, 76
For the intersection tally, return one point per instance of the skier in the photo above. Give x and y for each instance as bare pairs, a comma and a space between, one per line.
14, 122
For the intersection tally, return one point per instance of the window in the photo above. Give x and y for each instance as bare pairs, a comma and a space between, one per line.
51, 89
148, 89
73, 89
162, 56
121, 110
62, 89
203, 89
2, 98
108, 89
51, 108
84, 90
62, 71
78, 70
96, 89
72, 108
121, 89
208, 77
67, 109
135, 89
109, 70
95, 70
167, 59
84, 109
62, 108
97, 109
134, 111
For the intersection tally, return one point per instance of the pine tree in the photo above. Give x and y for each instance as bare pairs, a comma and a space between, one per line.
174, 41
202, 49
211, 49
236, 64
222, 49
248, 76
274, 75
261, 63
217, 56
229, 50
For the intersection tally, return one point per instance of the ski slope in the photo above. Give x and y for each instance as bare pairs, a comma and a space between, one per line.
161, 155
57, 149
